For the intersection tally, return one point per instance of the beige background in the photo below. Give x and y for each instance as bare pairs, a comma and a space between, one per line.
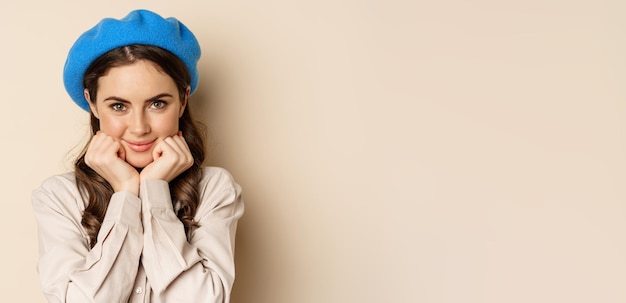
390, 151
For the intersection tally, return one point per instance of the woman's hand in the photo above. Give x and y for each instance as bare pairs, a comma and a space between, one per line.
106, 156
171, 158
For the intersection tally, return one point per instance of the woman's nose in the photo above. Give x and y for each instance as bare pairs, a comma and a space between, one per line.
139, 124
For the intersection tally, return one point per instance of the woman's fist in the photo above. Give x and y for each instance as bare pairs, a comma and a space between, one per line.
171, 158
106, 156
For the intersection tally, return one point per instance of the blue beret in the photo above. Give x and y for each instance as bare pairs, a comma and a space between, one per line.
139, 27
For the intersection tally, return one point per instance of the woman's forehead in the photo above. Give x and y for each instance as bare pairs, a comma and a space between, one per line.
138, 80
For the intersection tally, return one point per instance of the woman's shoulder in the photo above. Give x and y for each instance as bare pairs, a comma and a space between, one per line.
58, 182
218, 190
217, 181
59, 192
217, 178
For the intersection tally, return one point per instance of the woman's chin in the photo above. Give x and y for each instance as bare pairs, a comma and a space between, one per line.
139, 163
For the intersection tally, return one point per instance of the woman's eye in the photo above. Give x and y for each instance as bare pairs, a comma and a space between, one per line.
158, 104
118, 107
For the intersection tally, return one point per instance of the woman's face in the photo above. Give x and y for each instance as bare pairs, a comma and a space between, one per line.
138, 105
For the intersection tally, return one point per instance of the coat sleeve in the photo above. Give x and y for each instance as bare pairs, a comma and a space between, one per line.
71, 272
199, 270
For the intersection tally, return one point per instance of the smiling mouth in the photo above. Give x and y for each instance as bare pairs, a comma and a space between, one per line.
139, 147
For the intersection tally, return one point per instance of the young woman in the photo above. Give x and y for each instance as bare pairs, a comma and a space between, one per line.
139, 219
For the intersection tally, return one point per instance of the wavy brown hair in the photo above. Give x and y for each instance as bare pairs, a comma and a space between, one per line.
184, 188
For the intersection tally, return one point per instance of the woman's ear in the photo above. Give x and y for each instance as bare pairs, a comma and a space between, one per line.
183, 103
92, 105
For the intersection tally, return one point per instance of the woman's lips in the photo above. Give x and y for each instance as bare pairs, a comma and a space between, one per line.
139, 147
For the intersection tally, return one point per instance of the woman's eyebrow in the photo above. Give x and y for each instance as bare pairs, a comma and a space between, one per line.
114, 98
119, 99
159, 96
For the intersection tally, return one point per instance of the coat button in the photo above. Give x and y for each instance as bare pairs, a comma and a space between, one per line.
138, 290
